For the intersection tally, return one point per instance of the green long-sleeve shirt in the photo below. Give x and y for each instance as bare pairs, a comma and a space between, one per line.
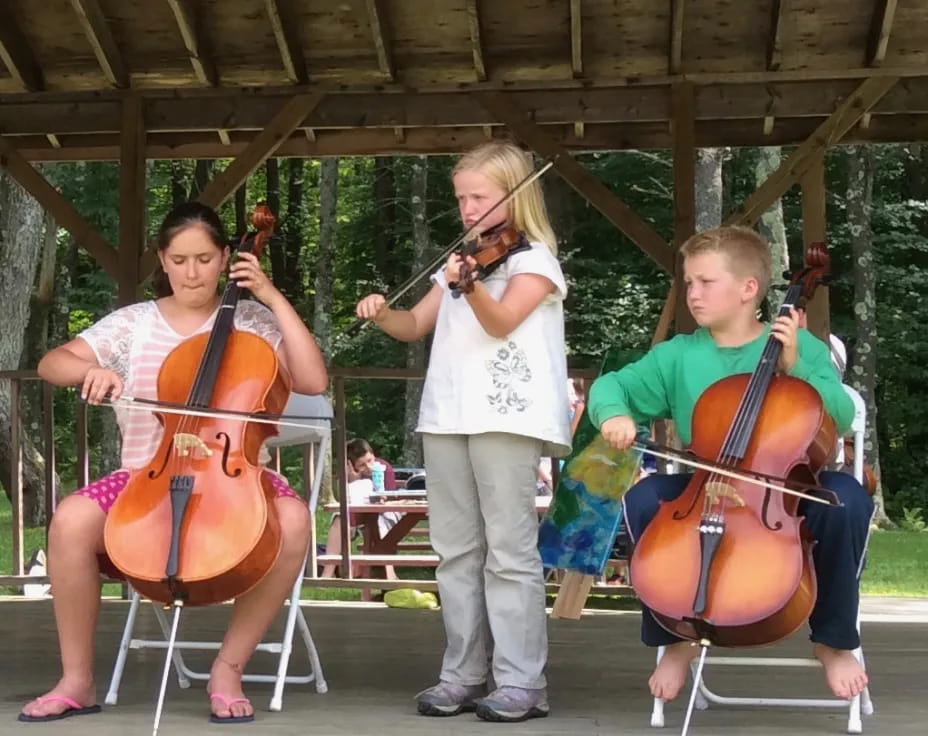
666, 382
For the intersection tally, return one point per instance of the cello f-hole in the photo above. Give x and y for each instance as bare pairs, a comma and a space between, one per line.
152, 474
226, 447
763, 515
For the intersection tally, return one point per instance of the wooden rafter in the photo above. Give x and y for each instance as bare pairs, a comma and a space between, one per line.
677, 11
98, 33
473, 24
831, 131
288, 119
884, 11
59, 208
194, 40
381, 38
208, 109
288, 42
576, 38
774, 39
597, 193
18, 57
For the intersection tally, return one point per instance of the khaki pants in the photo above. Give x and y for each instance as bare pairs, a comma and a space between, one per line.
484, 527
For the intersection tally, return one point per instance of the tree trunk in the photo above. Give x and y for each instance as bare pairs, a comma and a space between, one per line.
415, 351
241, 216
385, 199
863, 358
178, 175
22, 230
771, 226
325, 260
202, 172
293, 235
709, 188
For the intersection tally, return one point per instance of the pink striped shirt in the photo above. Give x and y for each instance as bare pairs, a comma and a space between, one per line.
134, 341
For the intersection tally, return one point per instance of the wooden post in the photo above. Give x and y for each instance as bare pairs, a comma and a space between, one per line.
131, 198
684, 192
813, 230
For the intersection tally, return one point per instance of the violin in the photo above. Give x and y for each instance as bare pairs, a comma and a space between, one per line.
490, 250
728, 562
198, 525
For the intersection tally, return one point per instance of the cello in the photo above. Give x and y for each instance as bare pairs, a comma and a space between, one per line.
729, 562
197, 525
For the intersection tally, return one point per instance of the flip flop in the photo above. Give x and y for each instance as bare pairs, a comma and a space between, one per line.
74, 709
213, 718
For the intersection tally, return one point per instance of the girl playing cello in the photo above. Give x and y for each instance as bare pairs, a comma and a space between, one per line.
123, 353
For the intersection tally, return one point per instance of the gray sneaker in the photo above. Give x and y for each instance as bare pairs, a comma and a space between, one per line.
449, 699
511, 704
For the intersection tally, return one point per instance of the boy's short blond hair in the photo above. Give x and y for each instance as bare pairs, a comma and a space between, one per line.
747, 252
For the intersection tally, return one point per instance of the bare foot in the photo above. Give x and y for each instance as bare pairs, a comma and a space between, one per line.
45, 705
670, 674
843, 672
225, 679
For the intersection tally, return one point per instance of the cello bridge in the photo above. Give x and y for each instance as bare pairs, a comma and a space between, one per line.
717, 490
184, 442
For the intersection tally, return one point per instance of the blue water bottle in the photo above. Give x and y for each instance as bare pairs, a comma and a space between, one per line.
377, 477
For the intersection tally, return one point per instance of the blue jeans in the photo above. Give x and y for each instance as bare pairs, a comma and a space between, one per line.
841, 541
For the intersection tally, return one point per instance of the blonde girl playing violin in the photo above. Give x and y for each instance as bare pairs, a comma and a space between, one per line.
123, 353
493, 403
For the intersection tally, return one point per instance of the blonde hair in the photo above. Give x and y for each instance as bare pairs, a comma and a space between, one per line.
747, 252
506, 164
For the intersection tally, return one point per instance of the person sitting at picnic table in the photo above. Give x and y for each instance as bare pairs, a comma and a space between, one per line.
361, 461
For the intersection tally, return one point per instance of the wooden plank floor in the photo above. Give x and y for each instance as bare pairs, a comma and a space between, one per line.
376, 659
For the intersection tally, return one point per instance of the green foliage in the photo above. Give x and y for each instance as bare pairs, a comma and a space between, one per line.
912, 520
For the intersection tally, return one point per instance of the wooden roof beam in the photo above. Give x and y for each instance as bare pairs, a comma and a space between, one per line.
18, 57
287, 41
774, 38
473, 23
98, 33
677, 11
576, 38
376, 18
884, 11
849, 112
200, 59
591, 188
58, 207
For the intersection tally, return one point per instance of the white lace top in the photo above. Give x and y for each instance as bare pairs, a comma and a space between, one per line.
134, 341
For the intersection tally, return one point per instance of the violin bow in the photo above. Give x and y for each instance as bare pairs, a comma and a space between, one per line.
391, 298
772, 482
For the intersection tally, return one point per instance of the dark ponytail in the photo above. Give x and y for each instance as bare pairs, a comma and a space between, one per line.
187, 214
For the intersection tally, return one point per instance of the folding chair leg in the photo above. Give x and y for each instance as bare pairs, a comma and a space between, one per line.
112, 695
315, 664
286, 648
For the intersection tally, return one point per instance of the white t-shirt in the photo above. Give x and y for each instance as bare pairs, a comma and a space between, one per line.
134, 341
477, 383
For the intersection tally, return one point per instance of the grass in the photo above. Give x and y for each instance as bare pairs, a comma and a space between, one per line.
897, 564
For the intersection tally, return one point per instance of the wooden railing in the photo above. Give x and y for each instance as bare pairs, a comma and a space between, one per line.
339, 374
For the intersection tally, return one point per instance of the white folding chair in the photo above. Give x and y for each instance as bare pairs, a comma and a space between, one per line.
315, 440
860, 704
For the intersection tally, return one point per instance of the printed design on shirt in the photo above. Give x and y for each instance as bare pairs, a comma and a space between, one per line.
508, 369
